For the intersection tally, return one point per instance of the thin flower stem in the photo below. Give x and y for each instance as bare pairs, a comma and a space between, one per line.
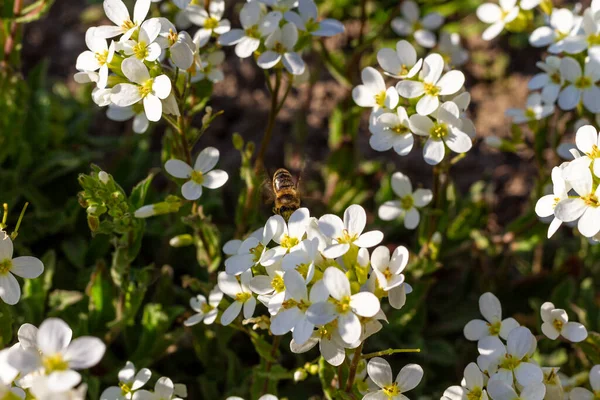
9, 44
14, 233
4, 215
259, 163
353, 367
274, 348
389, 352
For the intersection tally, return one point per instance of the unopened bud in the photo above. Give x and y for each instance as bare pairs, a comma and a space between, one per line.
300, 375
238, 141
145, 211
313, 370
181, 240
103, 177
436, 238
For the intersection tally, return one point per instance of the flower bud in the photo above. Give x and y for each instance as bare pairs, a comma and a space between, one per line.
300, 375
145, 211
103, 177
181, 240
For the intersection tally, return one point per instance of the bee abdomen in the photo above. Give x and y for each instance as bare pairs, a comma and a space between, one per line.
282, 179
288, 199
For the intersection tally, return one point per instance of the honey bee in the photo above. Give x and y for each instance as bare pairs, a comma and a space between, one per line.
286, 193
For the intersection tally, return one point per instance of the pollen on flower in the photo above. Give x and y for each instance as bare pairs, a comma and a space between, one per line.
391, 390
555, 78
242, 297
277, 284
439, 131
140, 50
102, 57
594, 40
311, 25
127, 25
431, 89
494, 328
302, 270
474, 394
54, 363
172, 37
583, 82
591, 200
326, 331
146, 88
380, 99
206, 308
211, 23
125, 389
529, 113
387, 273
257, 252
289, 242
279, 48
346, 237
400, 129
252, 32
594, 153
342, 306
403, 70
5, 266
407, 202
197, 177
510, 362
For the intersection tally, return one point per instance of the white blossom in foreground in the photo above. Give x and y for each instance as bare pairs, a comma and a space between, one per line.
129, 383
25, 266
347, 232
163, 390
52, 353
97, 58
373, 92
287, 235
581, 85
545, 206
201, 175
206, 310
250, 252
411, 24
502, 390
280, 47
497, 16
306, 19
556, 323
409, 203
535, 110
388, 270
144, 88
587, 141
473, 386
344, 306
494, 325
240, 293
550, 81
401, 63
211, 22
392, 130
580, 393
331, 345
431, 84
380, 373
585, 207
117, 12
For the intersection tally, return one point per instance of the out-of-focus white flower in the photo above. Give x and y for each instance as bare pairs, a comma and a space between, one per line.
380, 373
409, 203
581, 84
97, 58
136, 111
129, 383
180, 45
588, 39
580, 393
450, 47
502, 390
206, 310
546, 204
556, 323
431, 84
280, 47
497, 16
306, 19
562, 24
211, 22
401, 63
535, 110
163, 390
201, 175
421, 29
494, 325
373, 92
550, 81
473, 386
587, 141
207, 67
117, 12
25, 266
240, 293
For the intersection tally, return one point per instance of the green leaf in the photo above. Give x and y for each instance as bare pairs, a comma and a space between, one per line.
139, 192
101, 293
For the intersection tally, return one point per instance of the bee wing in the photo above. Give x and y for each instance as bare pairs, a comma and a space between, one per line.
266, 188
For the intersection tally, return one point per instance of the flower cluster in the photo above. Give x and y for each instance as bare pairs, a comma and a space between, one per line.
276, 32
576, 188
45, 361
316, 279
506, 368
427, 102
137, 76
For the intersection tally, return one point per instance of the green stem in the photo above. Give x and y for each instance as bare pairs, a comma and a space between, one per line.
14, 234
353, 368
389, 352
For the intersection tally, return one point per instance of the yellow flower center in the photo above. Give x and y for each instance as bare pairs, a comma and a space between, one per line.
439, 131
311, 25
288, 242
530, 114
242, 297
387, 273
556, 200
380, 99
474, 394
146, 88
494, 329
172, 37
257, 252
403, 70
342, 306
346, 237
125, 389
407, 202
594, 40
555, 78
279, 48
291, 303
510, 362
206, 308
277, 284
594, 153
302, 270
326, 331
5, 266
391, 390
591, 200
211, 23
431, 89
197, 177
140, 50
127, 25
54, 363
102, 57
583, 82
252, 32
400, 129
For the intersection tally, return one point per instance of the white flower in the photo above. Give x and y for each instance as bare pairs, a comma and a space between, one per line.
373, 92
25, 266
255, 27
207, 67
389, 269
580, 86
380, 373
180, 45
149, 90
588, 40
511, 359
140, 122
280, 47
535, 110
97, 57
331, 345
292, 315
401, 63
42, 387
392, 130
585, 206
580, 393
345, 306
202, 175
556, 323
502, 390
210, 22
7, 373
240, 293
206, 310
129, 382
546, 204
117, 12
145, 48
56, 356
306, 20
302, 258
550, 81
450, 47
473, 386
562, 24
102, 97
446, 131
407, 206
494, 325
588, 143
286, 235
421, 29
498, 16
347, 232
163, 390
250, 252
431, 84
